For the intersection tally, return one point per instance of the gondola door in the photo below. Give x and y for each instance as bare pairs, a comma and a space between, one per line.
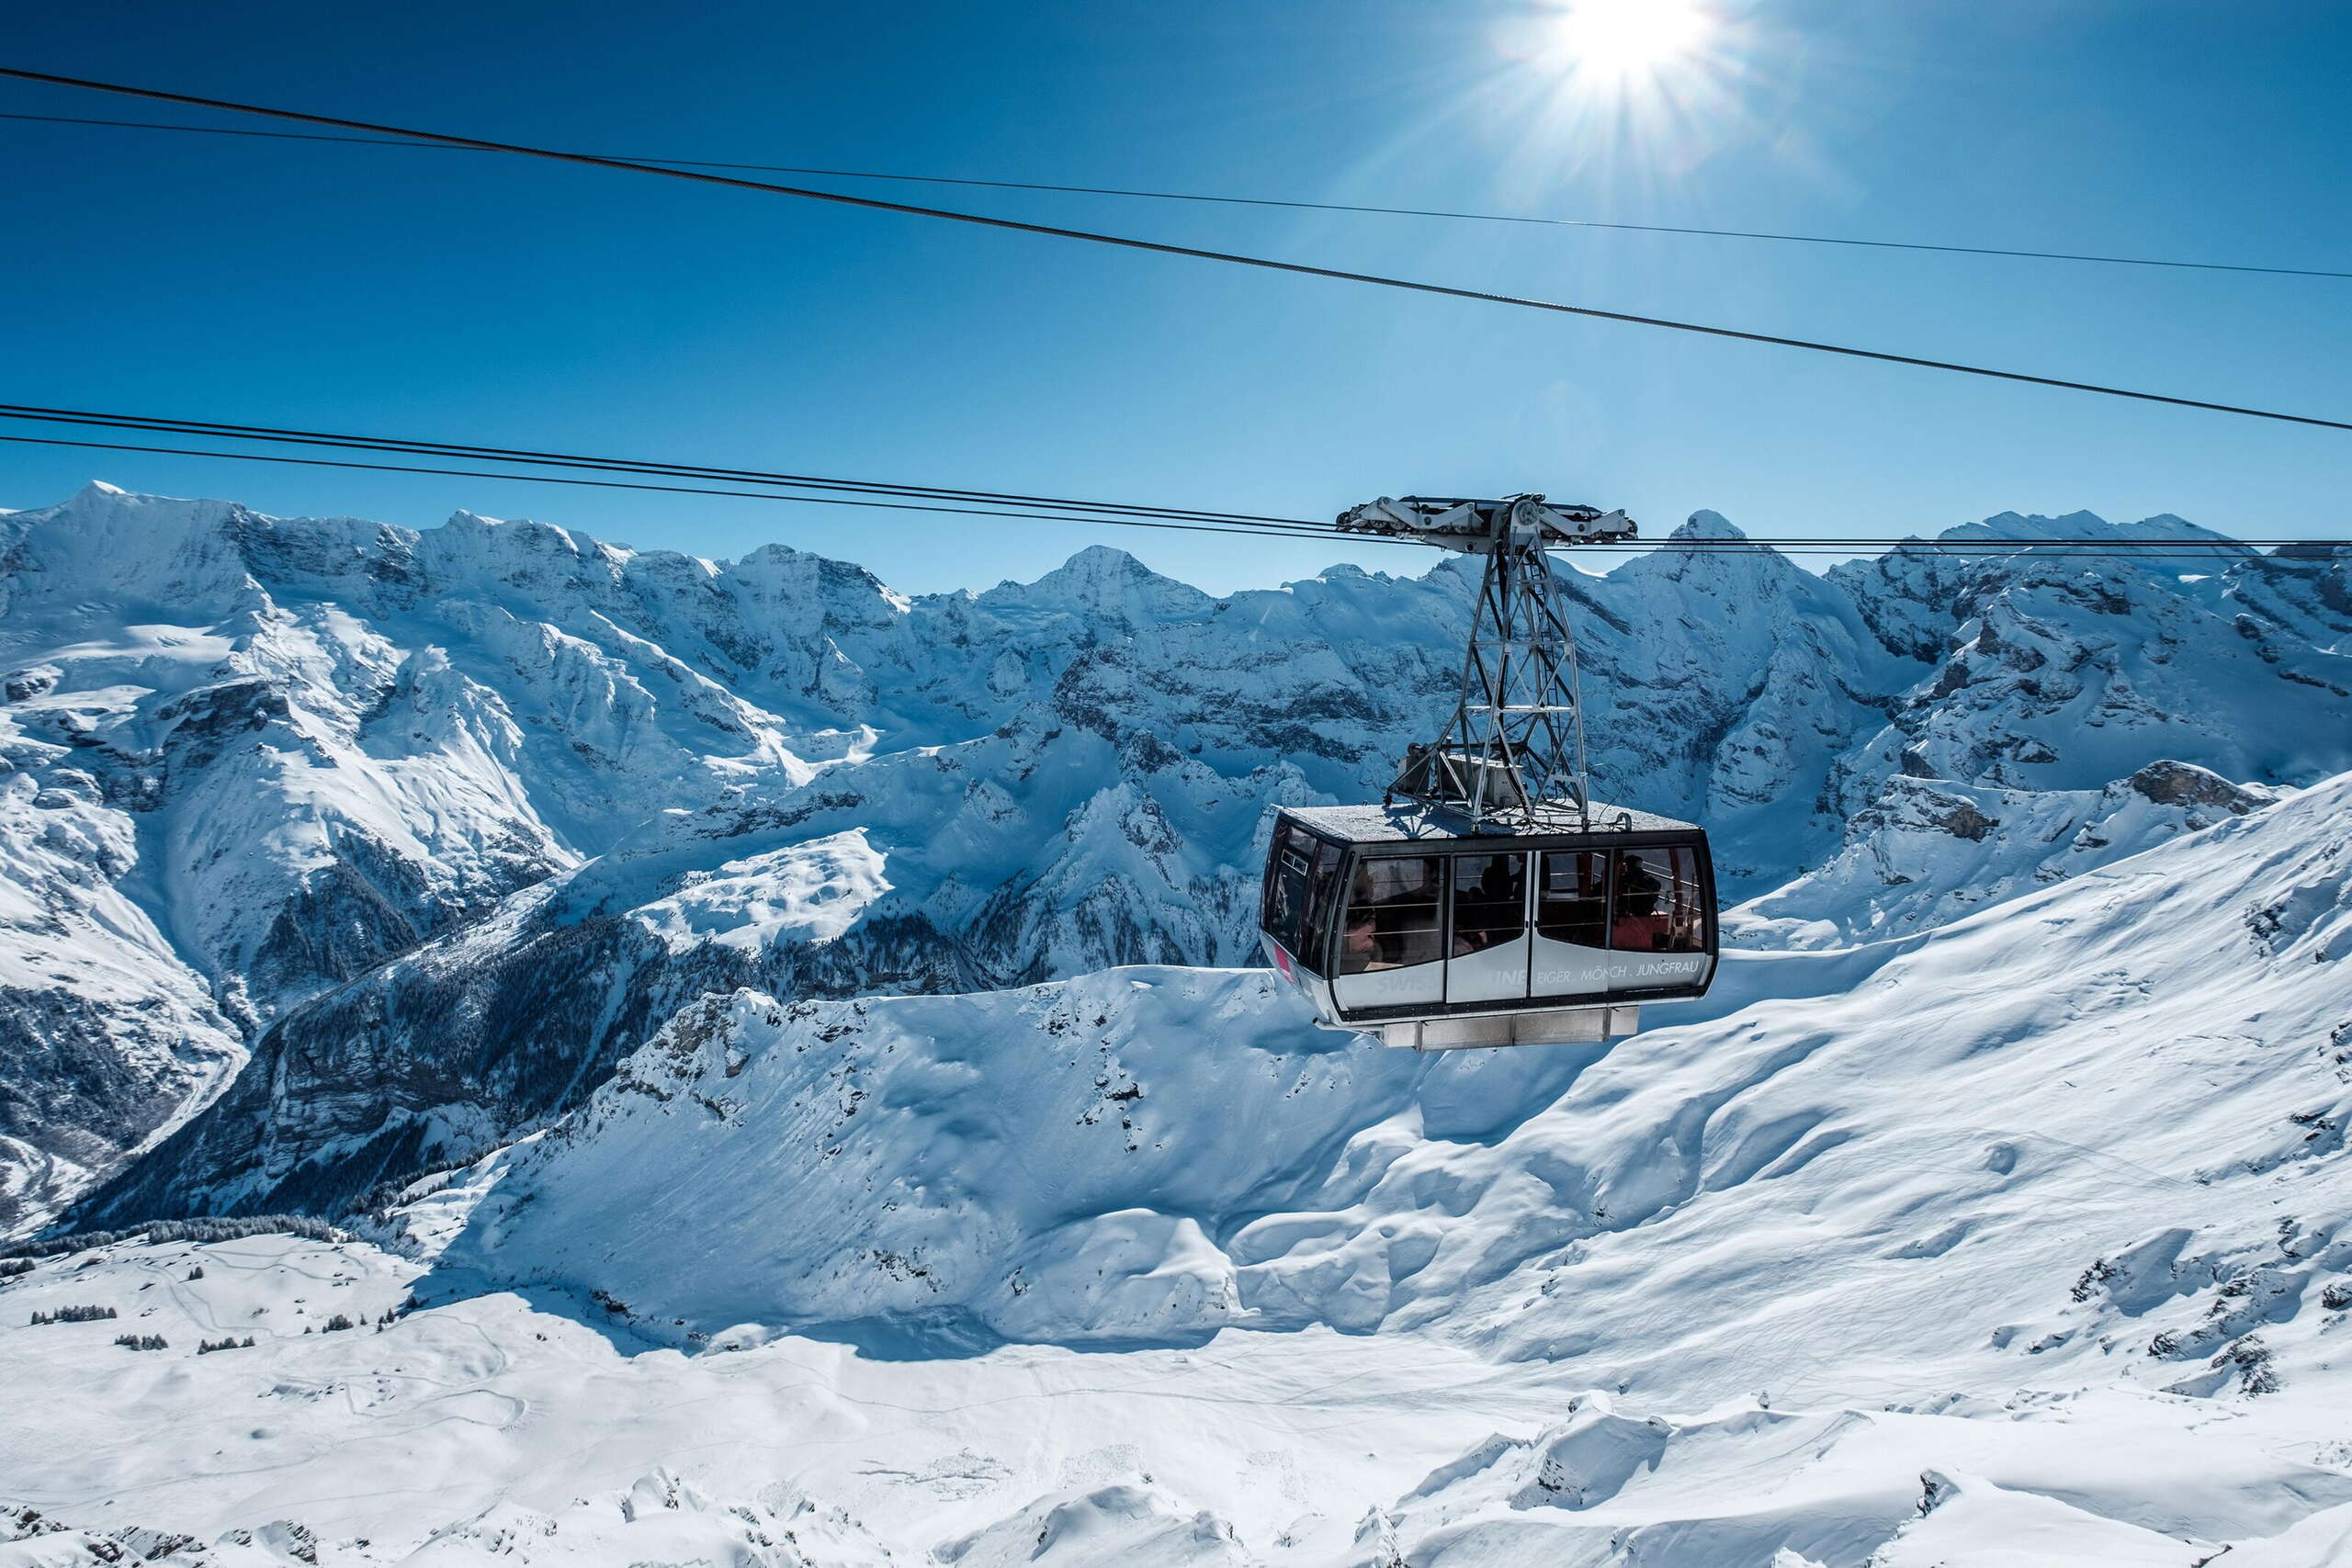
1571, 959
1488, 957
1391, 943
1660, 919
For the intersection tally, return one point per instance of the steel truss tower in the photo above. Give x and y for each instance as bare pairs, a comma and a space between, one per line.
1511, 756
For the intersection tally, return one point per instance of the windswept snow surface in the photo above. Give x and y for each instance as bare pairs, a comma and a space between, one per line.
2020, 1241
1877, 1168
444, 823
779, 1046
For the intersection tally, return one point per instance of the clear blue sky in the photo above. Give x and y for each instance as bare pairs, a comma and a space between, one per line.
471, 297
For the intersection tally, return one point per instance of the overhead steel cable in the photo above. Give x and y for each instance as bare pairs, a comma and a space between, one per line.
1260, 531
2079, 548
917, 498
1290, 203
1197, 253
281, 434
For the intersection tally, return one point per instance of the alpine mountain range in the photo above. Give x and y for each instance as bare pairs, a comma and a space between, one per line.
777, 1073
337, 852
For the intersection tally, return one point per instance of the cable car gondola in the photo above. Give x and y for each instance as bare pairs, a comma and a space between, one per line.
1488, 900
1398, 920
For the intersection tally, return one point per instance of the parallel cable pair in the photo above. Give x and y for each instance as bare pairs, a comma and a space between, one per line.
865, 493
575, 460
956, 501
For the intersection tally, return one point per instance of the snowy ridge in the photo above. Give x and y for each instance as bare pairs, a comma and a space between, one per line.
843, 1156
345, 753
111, 1040
1929, 850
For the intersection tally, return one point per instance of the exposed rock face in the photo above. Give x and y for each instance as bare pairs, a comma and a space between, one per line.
2177, 783
443, 823
2059, 671
107, 1037
1924, 851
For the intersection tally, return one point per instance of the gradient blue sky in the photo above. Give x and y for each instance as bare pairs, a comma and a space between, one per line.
463, 297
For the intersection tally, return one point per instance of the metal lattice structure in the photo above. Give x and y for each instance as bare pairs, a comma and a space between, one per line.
1511, 756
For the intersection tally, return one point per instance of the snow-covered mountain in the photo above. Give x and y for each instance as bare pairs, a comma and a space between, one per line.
442, 825
1150, 1153
787, 1055
2024, 1241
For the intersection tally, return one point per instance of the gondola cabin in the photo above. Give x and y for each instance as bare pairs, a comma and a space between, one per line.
1399, 920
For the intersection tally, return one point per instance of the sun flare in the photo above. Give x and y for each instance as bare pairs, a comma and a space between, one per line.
1630, 38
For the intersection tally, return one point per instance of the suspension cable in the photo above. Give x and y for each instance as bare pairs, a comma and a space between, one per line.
1290, 204
1824, 545
276, 435
1163, 248
1254, 532
1031, 506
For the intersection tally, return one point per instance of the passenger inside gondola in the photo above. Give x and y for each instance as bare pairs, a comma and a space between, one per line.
1392, 918
1656, 906
1489, 901
1572, 903
1638, 927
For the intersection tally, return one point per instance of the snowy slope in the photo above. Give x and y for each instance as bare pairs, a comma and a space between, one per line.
924, 883
1993, 1209
2023, 1240
1147, 1154
496, 1429
108, 1037
346, 758
1929, 850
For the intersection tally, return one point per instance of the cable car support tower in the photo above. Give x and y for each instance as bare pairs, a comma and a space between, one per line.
1511, 756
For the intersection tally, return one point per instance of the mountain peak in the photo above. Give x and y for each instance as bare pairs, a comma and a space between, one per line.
2034, 528
1705, 525
1106, 582
1105, 557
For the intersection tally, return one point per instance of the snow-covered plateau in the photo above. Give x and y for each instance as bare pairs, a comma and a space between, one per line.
767, 1072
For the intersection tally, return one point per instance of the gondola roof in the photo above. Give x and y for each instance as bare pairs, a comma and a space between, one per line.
1410, 822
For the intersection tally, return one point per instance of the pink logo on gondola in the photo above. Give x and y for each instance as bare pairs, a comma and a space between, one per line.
1282, 962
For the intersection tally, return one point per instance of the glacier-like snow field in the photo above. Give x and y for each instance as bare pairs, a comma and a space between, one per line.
782, 1065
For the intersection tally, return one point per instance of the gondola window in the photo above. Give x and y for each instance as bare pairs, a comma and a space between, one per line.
1393, 918
1656, 905
1489, 901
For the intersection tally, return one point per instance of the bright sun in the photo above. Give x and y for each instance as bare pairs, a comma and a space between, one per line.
1630, 38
